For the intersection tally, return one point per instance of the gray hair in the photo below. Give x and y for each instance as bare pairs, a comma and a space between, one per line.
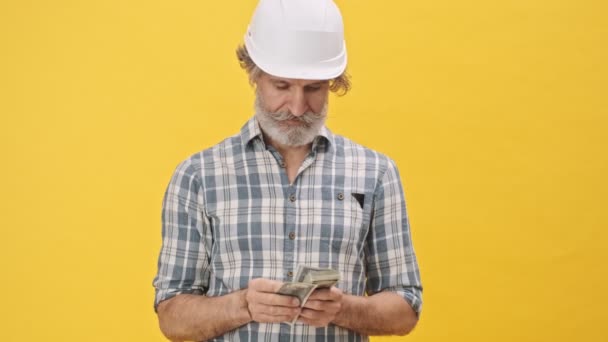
339, 85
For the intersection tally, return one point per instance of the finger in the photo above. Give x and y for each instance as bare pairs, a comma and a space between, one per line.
315, 318
271, 310
323, 305
273, 299
316, 305
332, 293
262, 318
320, 294
311, 315
265, 285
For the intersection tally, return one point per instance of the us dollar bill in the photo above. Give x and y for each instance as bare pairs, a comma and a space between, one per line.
322, 277
306, 280
300, 290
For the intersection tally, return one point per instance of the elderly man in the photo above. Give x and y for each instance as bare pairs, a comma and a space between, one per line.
239, 217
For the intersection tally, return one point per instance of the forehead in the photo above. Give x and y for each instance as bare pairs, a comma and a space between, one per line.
294, 81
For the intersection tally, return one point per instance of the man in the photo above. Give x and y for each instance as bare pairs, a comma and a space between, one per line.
239, 217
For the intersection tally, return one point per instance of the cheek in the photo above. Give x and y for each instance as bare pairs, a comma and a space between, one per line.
273, 100
317, 101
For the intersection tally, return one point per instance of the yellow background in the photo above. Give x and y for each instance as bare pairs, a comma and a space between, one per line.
495, 112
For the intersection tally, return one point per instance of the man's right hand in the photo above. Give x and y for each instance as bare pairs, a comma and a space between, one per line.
266, 306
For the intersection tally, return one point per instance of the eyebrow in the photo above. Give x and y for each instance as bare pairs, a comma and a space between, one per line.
318, 83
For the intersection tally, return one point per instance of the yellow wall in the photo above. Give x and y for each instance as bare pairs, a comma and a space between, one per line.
496, 113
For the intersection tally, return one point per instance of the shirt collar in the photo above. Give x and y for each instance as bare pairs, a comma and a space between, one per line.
251, 132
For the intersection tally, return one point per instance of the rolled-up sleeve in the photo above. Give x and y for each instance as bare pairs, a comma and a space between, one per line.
391, 260
183, 260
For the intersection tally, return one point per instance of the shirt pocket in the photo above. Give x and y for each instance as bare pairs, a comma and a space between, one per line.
346, 231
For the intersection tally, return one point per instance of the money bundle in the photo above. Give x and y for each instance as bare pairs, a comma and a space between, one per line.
306, 280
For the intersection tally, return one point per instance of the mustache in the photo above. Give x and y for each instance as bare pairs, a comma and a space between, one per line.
307, 118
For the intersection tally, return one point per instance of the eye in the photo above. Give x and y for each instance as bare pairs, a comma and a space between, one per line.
281, 85
313, 88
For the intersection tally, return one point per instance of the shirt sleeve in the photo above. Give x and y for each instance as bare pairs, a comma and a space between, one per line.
183, 261
391, 260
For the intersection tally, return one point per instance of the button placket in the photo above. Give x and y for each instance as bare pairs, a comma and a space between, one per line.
290, 228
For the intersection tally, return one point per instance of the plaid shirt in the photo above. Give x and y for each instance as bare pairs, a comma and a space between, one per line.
231, 215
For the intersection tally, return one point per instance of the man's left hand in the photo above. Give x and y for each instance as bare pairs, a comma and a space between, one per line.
322, 307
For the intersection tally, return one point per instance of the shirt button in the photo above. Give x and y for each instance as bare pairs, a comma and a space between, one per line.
292, 197
290, 274
282, 163
340, 196
292, 235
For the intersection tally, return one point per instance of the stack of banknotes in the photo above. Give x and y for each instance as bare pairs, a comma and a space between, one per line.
308, 279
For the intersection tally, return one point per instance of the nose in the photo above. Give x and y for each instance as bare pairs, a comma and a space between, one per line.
297, 103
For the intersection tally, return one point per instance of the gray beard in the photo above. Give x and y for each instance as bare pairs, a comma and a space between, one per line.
272, 127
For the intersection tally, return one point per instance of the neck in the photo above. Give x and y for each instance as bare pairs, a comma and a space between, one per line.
289, 152
293, 156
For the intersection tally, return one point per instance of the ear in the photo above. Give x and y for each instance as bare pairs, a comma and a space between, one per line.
256, 75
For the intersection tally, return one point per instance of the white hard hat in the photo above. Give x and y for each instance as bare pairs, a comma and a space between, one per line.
302, 39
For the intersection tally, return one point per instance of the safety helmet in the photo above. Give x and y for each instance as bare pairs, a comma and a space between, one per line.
301, 39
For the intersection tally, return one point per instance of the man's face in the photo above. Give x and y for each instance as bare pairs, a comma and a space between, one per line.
291, 111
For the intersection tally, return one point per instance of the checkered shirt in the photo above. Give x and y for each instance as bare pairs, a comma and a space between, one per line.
231, 215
